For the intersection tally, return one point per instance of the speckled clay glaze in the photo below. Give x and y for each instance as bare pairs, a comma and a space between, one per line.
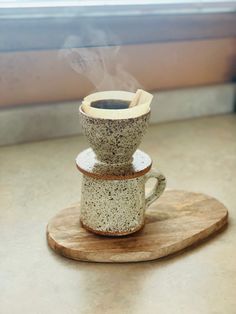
88, 164
117, 207
113, 200
114, 141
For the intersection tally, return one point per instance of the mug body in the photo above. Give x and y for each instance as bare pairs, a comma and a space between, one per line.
113, 207
114, 141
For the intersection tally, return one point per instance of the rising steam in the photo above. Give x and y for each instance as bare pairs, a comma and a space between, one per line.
100, 65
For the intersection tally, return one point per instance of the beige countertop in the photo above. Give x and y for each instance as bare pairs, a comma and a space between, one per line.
38, 179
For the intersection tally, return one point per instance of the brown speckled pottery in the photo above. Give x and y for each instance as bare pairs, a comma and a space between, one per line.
117, 207
114, 141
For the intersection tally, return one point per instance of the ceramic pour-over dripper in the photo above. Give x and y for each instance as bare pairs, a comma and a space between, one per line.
115, 139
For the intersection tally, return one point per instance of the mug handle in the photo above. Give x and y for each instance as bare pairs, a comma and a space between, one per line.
158, 188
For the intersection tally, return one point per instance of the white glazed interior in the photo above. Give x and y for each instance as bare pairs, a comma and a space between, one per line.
128, 113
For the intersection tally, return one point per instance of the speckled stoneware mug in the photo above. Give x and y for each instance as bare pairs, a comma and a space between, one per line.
117, 207
114, 141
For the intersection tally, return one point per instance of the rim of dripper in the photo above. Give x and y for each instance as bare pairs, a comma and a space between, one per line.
113, 95
91, 117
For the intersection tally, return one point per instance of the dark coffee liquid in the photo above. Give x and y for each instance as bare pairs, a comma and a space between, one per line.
110, 104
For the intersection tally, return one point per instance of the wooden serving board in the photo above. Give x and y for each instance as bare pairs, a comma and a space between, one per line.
175, 221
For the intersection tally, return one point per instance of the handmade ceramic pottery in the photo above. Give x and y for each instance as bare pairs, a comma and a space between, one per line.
87, 163
117, 207
115, 113
114, 141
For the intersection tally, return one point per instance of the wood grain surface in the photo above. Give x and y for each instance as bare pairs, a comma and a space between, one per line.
177, 220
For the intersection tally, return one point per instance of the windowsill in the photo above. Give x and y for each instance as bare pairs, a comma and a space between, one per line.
39, 122
45, 26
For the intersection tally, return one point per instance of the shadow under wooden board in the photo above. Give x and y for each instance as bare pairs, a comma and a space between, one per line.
177, 220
